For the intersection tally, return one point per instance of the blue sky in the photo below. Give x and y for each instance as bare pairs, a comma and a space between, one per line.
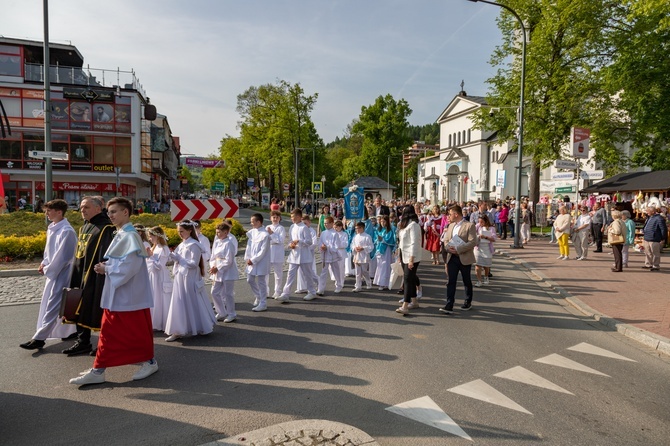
194, 57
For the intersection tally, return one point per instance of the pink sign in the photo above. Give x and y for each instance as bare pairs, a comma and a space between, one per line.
202, 162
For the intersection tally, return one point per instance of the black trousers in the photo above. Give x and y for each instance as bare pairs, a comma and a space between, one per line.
598, 236
454, 266
617, 250
410, 281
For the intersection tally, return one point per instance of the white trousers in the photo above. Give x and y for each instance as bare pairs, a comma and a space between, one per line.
302, 285
223, 296
278, 270
307, 274
332, 268
362, 272
259, 288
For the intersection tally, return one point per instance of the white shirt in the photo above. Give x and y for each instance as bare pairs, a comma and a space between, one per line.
223, 258
277, 240
304, 251
364, 241
258, 251
331, 240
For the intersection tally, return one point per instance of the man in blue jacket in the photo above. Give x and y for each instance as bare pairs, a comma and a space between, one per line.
655, 232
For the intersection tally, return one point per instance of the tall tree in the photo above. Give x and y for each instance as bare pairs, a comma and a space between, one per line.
384, 128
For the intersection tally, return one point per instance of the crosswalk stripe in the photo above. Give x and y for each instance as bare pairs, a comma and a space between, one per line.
525, 376
593, 350
424, 410
479, 390
562, 361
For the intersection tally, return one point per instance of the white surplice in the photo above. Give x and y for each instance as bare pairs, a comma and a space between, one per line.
161, 285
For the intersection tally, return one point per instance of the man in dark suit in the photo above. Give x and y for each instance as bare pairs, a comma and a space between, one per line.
380, 209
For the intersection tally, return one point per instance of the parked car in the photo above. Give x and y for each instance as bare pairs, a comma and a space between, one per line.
248, 201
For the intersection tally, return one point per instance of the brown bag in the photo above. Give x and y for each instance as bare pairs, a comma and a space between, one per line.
70, 304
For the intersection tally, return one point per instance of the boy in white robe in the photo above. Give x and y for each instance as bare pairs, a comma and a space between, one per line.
342, 245
224, 273
330, 256
257, 257
57, 267
204, 241
302, 287
300, 258
277, 239
361, 247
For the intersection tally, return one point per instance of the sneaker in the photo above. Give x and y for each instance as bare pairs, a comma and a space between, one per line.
412, 305
478, 284
338, 290
402, 310
229, 319
446, 310
281, 298
220, 317
258, 308
275, 296
256, 302
300, 291
368, 287
172, 338
566, 258
419, 293
357, 290
309, 296
381, 288
559, 258
466, 307
146, 370
319, 293
486, 280
89, 378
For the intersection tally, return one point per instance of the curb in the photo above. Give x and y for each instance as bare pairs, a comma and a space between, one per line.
300, 432
19, 273
659, 343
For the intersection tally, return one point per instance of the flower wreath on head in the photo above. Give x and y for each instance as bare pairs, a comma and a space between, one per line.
156, 234
187, 223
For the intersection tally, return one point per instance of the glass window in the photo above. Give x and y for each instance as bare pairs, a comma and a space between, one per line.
33, 108
10, 150
123, 159
81, 138
12, 107
80, 115
122, 118
59, 116
81, 153
10, 65
103, 154
108, 140
32, 145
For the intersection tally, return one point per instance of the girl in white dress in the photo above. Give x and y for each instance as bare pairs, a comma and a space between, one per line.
159, 277
190, 311
484, 250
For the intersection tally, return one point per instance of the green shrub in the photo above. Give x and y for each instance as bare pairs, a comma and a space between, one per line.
25, 247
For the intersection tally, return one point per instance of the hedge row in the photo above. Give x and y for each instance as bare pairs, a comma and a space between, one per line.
23, 234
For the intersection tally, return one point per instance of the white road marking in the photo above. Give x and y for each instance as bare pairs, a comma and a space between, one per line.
593, 350
562, 361
479, 390
525, 376
424, 410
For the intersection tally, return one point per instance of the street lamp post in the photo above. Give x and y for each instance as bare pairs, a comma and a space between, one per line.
517, 209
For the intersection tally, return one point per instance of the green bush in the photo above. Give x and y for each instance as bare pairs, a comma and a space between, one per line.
26, 247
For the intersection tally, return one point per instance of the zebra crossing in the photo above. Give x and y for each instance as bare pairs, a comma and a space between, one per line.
425, 410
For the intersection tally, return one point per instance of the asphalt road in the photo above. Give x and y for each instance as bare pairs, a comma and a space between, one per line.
347, 358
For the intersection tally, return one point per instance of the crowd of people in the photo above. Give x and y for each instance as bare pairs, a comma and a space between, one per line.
128, 291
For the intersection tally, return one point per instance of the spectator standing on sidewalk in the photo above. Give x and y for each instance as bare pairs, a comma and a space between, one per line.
630, 236
459, 241
598, 220
409, 247
616, 237
655, 233
580, 232
562, 230
57, 268
503, 216
526, 218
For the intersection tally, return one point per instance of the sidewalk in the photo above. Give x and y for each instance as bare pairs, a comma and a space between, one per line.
635, 302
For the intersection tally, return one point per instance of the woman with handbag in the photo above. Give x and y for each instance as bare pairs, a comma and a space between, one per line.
562, 230
616, 233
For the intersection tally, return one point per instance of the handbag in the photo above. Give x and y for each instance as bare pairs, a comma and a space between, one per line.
70, 304
396, 273
615, 239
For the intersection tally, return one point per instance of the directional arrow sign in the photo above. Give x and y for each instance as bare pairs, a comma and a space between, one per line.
566, 164
592, 174
41, 154
204, 209
563, 176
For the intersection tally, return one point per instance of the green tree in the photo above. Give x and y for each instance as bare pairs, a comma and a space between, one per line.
384, 128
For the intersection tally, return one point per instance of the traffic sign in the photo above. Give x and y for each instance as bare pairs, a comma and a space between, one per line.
218, 187
592, 174
42, 154
566, 164
317, 187
565, 190
563, 176
204, 209
287, 186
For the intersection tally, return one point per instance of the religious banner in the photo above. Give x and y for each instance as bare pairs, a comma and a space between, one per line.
354, 203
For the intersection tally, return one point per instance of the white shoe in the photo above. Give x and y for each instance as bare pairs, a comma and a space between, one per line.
89, 378
486, 280
478, 284
357, 290
559, 257
579, 258
300, 291
419, 293
282, 299
309, 296
172, 338
338, 290
256, 302
566, 258
275, 295
259, 308
229, 319
220, 317
368, 287
381, 288
146, 370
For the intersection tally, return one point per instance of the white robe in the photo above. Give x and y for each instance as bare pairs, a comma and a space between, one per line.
57, 267
190, 311
302, 285
161, 285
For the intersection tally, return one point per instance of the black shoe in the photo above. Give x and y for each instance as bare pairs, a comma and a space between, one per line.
71, 337
401, 291
446, 310
598, 250
654, 269
466, 306
93, 352
645, 267
490, 275
33, 344
78, 349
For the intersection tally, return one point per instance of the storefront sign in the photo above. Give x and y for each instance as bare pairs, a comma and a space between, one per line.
88, 94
